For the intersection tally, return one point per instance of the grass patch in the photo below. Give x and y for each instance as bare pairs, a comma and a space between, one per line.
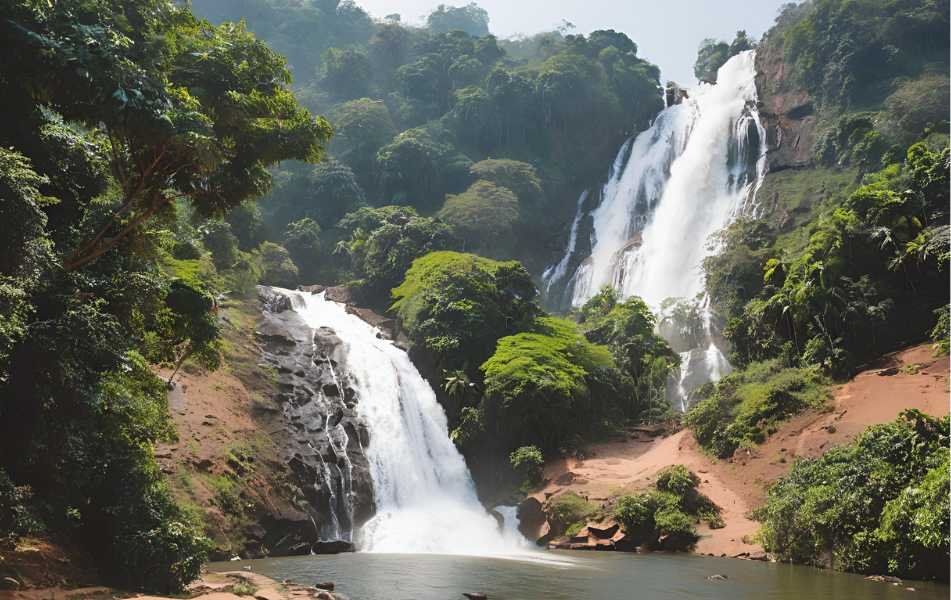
571, 510
244, 588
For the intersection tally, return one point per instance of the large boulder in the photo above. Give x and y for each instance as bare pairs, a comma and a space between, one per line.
531, 518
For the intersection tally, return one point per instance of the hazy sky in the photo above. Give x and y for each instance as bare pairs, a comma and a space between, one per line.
667, 32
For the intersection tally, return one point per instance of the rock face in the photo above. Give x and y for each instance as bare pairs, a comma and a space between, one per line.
319, 433
786, 111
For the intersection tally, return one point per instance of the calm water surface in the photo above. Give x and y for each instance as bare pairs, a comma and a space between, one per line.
576, 576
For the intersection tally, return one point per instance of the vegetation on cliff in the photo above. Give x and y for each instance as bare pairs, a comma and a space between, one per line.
444, 119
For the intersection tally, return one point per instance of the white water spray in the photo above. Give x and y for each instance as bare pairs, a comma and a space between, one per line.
687, 177
425, 497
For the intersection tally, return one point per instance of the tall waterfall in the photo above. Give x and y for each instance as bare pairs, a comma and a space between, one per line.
687, 177
425, 497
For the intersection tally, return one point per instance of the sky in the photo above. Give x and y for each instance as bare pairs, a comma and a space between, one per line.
667, 32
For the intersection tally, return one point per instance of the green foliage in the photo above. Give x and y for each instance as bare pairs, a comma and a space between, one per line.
876, 505
713, 54
664, 518
842, 51
187, 119
414, 108
383, 243
519, 177
643, 357
17, 515
456, 305
483, 216
543, 384
871, 274
361, 128
528, 462
325, 193
346, 73
942, 330
217, 237
741, 408
569, 508
278, 268
470, 18
470, 429
302, 240
710, 57
185, 328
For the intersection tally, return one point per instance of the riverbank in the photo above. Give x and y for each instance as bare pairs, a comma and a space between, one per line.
229, 585
911, 378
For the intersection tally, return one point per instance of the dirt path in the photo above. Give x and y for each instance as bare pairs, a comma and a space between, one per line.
912, 378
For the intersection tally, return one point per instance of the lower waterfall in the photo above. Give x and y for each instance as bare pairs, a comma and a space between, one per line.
694, 171
425, 498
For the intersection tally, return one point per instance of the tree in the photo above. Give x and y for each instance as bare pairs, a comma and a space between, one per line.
186, 328
483, 216
279, 269
419, 169
361, 128
520, 177
875, 505
223, 245
346, 73
302, 240
192, 121
471, 18
628, 329
528, 462
385, 241
538, 383
455, 306
712, 55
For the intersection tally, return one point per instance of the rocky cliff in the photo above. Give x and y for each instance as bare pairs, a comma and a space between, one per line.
787, 112
270, 449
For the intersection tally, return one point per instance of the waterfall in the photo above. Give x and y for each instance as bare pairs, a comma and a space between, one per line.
688, 176
425, 498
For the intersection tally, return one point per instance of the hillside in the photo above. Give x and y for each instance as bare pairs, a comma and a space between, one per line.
910, 379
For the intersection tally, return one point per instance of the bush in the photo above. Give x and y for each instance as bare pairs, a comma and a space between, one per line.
665, 517
677, 480
569, 508
741, 407
877, 505
942, 330
675, 530
528, 463
17, 516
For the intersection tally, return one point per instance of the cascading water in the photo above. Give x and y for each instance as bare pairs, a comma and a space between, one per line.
425, 497
687, 177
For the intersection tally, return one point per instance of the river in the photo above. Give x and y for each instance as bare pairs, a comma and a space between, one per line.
576, 575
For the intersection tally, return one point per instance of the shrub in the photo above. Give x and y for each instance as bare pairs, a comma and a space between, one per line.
665, 517
528, 462
740, 408
569, 508
17, 516
877, 505
942, 330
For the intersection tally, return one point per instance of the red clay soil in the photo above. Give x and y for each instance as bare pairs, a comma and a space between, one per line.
912, 378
